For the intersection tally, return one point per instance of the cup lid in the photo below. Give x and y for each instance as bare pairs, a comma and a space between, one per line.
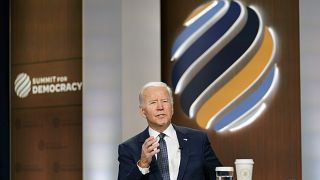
244, 161
224, 168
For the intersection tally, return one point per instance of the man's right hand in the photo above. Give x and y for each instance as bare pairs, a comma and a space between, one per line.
149, 148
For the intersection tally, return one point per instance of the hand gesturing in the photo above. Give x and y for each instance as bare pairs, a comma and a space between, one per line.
148, 149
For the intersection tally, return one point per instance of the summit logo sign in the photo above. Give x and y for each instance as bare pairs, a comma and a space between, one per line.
24, 85
224, 65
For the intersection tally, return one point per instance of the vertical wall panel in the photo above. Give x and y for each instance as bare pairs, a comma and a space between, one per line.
102, 92
140, 58
46, 93
310, 87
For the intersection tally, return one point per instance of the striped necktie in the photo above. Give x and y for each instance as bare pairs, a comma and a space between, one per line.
162, 158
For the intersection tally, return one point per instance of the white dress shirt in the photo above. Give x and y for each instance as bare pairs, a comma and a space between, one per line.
174, 154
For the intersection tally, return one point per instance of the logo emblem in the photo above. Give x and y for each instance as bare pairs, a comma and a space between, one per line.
224, 65
22, 85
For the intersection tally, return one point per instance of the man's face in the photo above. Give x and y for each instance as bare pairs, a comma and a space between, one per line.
157, 108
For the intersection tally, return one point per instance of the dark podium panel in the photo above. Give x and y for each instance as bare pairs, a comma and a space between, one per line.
241, 33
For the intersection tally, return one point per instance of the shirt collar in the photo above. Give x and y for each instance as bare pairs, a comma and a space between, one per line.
170, 132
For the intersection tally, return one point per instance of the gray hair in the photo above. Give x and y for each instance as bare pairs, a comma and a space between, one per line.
154, 84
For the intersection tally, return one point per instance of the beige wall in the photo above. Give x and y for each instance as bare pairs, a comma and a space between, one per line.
140, 58
310, 87
121, 53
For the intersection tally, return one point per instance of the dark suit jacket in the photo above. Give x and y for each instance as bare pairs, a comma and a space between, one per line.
198, 160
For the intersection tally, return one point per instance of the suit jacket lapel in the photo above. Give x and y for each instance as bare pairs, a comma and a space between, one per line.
184, 148
154, 168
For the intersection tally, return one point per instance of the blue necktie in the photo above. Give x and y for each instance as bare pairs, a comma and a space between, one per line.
162, 158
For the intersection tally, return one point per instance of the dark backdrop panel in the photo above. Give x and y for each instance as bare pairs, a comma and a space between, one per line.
273, 140
4, 90
45, 30
47, 147
46, 93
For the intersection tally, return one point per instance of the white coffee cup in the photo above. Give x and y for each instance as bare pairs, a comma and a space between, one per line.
244, 169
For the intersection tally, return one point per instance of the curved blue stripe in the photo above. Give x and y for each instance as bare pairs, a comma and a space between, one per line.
204, 42
221, 62
194, 26
247, 104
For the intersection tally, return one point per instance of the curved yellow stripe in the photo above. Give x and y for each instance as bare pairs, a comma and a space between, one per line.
238, 83
198, 10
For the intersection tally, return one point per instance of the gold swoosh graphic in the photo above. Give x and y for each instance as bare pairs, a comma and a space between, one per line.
238, 83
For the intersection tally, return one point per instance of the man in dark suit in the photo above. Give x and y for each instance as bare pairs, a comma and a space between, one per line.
163, 150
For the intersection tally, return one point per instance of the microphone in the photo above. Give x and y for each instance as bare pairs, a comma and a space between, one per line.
180, 147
